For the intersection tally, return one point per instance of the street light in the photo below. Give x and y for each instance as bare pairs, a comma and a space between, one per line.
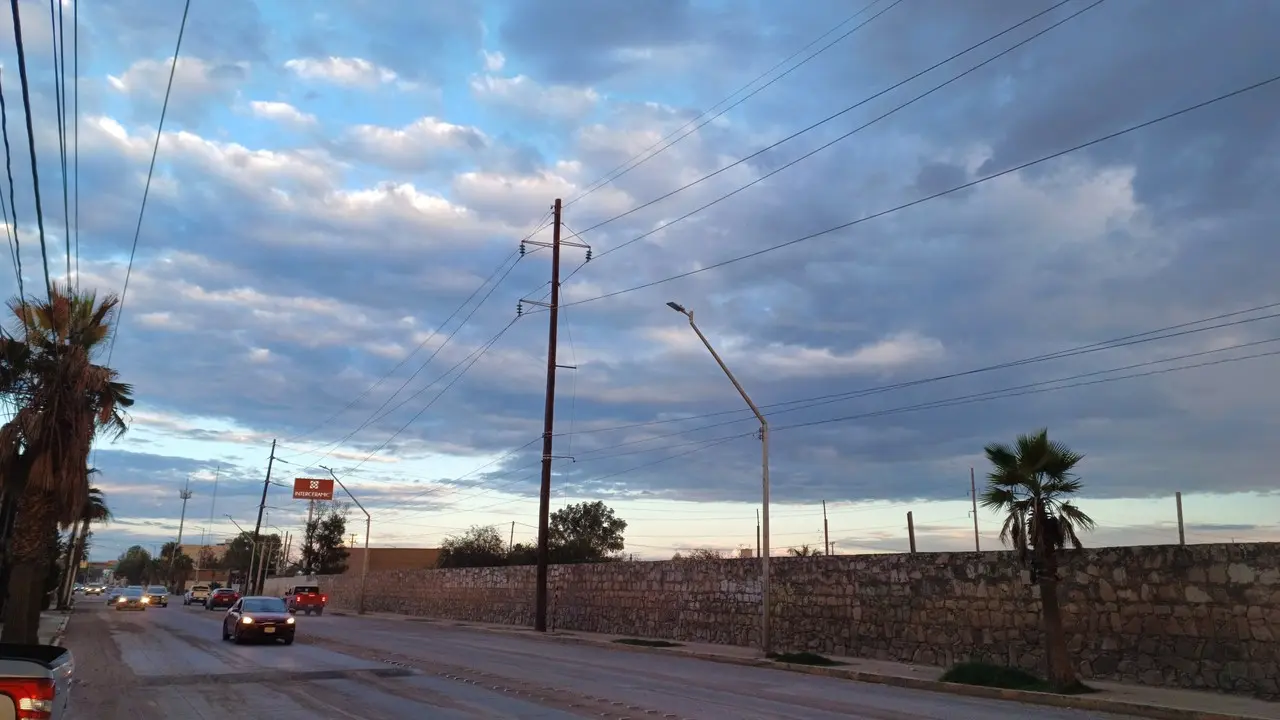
765, 639
368, 520
253, 551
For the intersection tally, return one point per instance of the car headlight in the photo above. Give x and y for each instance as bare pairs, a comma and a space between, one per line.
290, 621
120, 599
146, 600
246, 620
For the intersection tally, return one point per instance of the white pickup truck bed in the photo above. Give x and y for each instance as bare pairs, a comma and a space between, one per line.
29, 672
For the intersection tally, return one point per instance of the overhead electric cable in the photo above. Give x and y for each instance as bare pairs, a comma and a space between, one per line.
151, 169
933, 196
13, 203
628, 166
31, 142
60, 108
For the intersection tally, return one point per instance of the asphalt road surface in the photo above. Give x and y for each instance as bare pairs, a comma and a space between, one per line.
171, 663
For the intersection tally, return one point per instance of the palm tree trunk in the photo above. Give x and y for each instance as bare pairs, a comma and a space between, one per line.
1062, 676
69, 577
36, 517
77, 554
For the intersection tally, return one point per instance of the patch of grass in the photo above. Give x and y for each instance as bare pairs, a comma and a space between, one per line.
804, 658
1004, 678
641, 642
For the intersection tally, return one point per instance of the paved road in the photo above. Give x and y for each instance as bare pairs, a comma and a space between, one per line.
170, 663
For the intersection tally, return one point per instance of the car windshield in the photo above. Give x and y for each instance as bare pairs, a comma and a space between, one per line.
264, 605
156, 589
200, 587
132, 592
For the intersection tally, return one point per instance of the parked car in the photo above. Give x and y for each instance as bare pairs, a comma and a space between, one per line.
158, 595
35, 681
306, 598
196, 595
132, 598
220, 598
259, 618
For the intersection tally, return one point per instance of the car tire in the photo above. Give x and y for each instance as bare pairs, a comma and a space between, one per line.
225, 635
235, 637
288, 640
320, 611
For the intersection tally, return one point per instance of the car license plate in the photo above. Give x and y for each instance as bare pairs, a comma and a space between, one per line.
268, 630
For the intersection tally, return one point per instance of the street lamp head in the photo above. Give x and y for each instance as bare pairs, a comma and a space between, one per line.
677, 307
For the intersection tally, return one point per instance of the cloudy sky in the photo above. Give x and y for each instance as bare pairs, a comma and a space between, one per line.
330, 248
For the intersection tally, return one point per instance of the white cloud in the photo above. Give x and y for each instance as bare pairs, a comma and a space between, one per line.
493, 61
281, 112
416, 146
344, 71
198, 86
528, 97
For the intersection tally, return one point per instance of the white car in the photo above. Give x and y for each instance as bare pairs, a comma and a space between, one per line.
196, 595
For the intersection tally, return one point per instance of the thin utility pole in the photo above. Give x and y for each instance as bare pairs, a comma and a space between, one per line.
1182, 533
512, 542
826, 534
973, 490
549, 417
757, 532
185, 494
262, 506
911, 532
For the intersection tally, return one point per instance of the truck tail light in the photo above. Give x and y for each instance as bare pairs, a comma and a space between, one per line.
324, 598
33, 698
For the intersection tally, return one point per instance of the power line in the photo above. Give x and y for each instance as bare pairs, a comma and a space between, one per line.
31, 142
60, 108
8, 166
627, 166
838, 114
473, 358
146, 188
375, 417
934, 196
1163, 333
539, 226
75, 124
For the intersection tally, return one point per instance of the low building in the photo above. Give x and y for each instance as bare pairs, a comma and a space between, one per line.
391, 559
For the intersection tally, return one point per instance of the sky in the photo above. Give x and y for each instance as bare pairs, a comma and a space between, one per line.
909, 228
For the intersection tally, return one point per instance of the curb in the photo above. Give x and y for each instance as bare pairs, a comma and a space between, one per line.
61, 632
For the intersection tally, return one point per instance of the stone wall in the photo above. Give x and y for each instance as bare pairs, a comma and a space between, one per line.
1202, 616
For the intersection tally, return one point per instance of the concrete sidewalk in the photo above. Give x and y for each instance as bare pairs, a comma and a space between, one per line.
52, 626
1136, 700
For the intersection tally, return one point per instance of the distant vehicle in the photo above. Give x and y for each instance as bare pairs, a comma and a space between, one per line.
113, 593
158, 595
94, 590
196, 595
259, 618
306, 598
77, 589
132, 598
35, 681
220, 598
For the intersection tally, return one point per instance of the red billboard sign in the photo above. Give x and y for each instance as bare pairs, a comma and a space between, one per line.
312, 488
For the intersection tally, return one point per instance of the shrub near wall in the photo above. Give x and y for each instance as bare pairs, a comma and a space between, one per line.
1204, 616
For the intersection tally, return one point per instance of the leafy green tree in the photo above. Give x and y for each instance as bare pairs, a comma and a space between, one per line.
478, 546
323, 551
134, 565
1032, 483
523, 554
175, 565
586, 532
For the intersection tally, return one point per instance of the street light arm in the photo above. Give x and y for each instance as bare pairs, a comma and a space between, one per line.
348, 492
764, 424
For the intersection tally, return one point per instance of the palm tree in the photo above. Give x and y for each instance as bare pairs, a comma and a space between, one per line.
804, 551
95, 510
1032, 483
64, 402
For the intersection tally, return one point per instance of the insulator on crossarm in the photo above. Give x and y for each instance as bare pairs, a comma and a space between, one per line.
521, 248
588, 254
519, 308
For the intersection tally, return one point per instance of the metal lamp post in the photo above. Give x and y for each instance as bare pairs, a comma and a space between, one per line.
368, 521
766, 644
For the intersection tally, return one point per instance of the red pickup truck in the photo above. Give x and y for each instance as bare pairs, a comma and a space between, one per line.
306, 598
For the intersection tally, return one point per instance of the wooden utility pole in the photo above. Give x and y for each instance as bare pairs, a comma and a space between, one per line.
549, 417
511, 543
757, 532
262, 506
911, 532
826, 535
973, 490
185, 494
1182, 533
